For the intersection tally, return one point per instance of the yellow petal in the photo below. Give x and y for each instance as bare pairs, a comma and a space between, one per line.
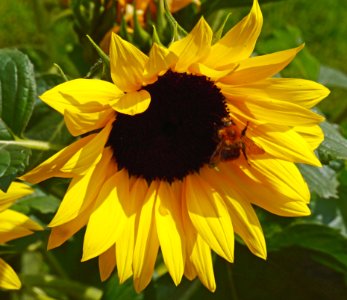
302, 92
194, 47
261, 67
127, 64
273, 111
147, 244
210, 216
80, 123
8, 277
313, 135
132, 103
212, 74
82, 191
75, 159
283, 143
81, 95
199, 259
170, 231
107, 220
16, 190
244, 219
126, 242
160, 60
107, 263
238, 43
14, 225
280, 190
61, 233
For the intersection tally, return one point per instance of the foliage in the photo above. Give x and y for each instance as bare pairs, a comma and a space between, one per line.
307, 257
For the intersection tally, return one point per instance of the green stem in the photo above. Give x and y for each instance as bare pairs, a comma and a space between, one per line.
231, 282
54, 263
32, 144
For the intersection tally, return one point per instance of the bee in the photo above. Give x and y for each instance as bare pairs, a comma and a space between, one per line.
232, 143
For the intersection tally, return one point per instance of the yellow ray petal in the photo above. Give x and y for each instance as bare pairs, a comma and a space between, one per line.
75, 159
238, 43
107, 220
81, 95
14, 225
313, 135
210, 216
170, 232
16, 190
126, 242
189, 270
199, 259
132, 103
127, 64
61, 233
8, 277
282, 192
82, 191
215, 75
273, 111
244, 219
160, 60
194, 47
261, 67
80, 123
107, 263
302, 92
283, 143
147, 244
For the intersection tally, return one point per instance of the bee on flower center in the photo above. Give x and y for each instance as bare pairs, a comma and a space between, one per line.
233, 142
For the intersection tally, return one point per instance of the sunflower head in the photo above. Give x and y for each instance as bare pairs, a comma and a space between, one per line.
177, 150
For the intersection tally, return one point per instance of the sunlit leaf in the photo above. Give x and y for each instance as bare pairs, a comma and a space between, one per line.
321, 181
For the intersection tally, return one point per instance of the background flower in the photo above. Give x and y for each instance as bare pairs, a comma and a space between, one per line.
13, 225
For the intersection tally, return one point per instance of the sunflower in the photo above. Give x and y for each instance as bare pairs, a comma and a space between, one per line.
177, 150
13, 225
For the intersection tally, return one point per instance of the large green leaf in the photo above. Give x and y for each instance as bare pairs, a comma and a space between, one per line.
320, 238
287, 274
17, 89
13, 158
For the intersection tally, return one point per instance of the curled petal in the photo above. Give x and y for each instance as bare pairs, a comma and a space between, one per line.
81, 96
194, 47
132, 103
127, 64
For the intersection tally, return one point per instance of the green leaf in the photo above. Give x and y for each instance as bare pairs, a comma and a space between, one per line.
321, 181
334, 145
332, 77
287, 274
13, 158
315, 237
17, 89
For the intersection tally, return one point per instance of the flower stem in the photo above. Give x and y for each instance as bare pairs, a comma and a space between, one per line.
32, 144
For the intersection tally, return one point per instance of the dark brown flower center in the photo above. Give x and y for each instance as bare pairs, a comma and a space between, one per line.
176, 135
